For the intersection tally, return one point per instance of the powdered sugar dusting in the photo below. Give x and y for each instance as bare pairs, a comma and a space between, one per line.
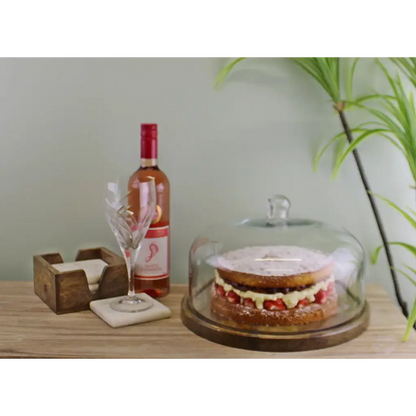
273, 260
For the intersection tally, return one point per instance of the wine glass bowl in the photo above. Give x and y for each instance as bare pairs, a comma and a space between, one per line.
130, 207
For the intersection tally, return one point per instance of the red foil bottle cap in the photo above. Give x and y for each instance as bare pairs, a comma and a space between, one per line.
149, 141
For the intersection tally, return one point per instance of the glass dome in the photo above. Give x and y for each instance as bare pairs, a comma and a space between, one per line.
276, 275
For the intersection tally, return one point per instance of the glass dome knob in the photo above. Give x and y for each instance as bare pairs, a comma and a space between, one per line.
277, 209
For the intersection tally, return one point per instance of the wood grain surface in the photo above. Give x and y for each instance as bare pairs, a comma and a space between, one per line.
28, 328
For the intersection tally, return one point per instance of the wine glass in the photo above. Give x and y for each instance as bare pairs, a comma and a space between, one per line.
130, 207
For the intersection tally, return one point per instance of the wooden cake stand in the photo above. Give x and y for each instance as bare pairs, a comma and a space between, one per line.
328, 333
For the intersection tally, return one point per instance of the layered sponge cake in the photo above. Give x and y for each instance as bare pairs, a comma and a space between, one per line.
278, 285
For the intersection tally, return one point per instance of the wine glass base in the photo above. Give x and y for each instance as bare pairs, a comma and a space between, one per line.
131, 304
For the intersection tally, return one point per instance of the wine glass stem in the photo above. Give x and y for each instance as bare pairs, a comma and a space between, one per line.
130, 256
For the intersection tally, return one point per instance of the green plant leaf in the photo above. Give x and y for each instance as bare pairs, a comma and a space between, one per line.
351, 78
322, 151
410, 209
405, 275
357, 129
353, 145
408, 68
411, 269
397, 124
374, 256
410, 322
390, 124
368, 97
224, 73
339, 149
326, 72
386, 73
408, 247
392, 204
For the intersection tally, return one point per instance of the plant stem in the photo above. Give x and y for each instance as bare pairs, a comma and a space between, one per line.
376, 213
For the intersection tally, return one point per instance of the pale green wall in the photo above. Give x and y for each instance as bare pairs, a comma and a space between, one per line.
67, 126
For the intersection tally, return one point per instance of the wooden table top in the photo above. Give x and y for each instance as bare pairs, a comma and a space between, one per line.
28, 328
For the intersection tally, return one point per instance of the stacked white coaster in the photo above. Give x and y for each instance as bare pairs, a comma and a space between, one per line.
117, 319
93, 270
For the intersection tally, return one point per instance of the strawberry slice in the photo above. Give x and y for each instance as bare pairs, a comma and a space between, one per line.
233, 297
249, 303
274, 305
302, 303
321, 296
220, 290
330, 287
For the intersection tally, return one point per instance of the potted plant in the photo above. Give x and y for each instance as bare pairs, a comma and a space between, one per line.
397, 124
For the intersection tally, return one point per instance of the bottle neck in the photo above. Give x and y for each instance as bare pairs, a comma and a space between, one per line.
148, 152
148, 163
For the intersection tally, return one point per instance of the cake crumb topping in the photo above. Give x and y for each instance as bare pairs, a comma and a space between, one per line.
274, 260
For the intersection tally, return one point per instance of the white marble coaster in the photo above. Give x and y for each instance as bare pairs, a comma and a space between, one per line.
116, 319
92, 268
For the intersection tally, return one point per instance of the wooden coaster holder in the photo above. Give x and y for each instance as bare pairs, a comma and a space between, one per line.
66, 292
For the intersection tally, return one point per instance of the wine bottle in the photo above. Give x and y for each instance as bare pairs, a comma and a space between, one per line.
152, 266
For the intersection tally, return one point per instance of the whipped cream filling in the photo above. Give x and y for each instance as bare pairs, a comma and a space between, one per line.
290, 299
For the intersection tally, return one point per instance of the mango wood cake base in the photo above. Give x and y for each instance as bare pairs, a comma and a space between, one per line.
241, 337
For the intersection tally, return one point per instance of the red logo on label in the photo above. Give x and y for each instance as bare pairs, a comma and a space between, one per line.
153, 250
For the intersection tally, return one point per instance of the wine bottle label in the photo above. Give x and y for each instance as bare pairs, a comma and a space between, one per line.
153, 259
